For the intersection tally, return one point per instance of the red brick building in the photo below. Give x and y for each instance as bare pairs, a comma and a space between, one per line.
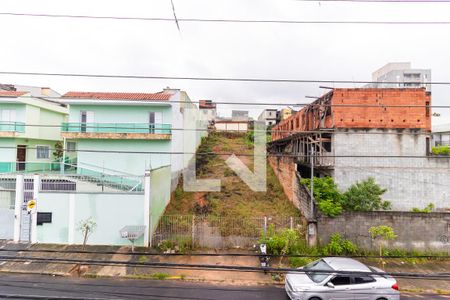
361, 108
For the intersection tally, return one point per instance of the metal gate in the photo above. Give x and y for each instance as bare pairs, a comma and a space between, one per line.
25, 226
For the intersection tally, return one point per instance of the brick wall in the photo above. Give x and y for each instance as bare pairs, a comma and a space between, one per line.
373, 108
414, 230
285, 170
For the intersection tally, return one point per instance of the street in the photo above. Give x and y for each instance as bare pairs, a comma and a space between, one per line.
48, 287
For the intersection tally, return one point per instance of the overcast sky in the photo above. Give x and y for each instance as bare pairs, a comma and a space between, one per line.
329, 52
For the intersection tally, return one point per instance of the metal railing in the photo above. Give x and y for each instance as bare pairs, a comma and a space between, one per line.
217, 232
12, 126
117, 128
70, 177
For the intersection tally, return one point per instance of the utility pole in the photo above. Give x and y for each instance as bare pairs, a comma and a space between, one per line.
311, 157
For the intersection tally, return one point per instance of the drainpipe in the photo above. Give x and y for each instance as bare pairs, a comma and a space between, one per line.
147, 210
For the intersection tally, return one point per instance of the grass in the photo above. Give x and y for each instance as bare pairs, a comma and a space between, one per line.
236, 199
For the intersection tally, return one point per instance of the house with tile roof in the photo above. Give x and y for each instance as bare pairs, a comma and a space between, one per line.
104, 128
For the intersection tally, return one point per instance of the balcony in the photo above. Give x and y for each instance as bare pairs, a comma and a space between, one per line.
125, 131
11, 129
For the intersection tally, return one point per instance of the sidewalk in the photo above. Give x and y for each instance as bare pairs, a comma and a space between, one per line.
211, 276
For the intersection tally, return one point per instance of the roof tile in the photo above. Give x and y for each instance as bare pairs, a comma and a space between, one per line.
13, 94
119, 96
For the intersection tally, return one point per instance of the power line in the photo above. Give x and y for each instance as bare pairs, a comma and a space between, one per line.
140, 253
380, 1
223, 79
128, 126
204, 20
429, 276
237, 154
63, 100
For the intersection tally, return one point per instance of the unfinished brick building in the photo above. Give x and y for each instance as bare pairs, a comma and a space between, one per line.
353, 134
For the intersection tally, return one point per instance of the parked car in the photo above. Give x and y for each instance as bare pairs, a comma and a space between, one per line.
356, 285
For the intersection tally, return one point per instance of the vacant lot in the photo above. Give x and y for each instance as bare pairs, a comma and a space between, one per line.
235, 199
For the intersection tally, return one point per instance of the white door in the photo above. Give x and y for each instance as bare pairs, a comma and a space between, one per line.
87, 120
155, 120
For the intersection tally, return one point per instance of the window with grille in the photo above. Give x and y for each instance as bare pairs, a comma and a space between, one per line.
42, 152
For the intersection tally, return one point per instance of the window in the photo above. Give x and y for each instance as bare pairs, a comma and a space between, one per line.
42, 152
155, 121
317, 265
427, 108
341, 280
71, 146
363, 279
86, 120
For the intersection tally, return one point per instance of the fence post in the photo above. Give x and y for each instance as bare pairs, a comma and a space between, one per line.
151, 232
292, 223
33, 214
18, 207
193, 231
265, 226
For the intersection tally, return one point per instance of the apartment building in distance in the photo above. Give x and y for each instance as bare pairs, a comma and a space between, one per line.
401, 75
374, 138
269, 116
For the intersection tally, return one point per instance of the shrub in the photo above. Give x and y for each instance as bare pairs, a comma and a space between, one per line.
382, 232
441, 150
429, 208
365, 196
339, 246
326, 194
286, 241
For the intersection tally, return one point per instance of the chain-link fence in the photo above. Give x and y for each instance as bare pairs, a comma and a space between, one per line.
187, 231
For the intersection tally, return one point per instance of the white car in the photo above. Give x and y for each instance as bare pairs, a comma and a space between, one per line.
330, 286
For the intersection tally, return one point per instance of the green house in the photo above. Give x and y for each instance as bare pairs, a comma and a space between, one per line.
25, 144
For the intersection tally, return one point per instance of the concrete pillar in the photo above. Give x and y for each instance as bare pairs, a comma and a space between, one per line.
33, 214
147, 208
18, 207
71, 224
312, 234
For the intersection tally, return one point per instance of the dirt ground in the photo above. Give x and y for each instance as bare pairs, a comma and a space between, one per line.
235, 199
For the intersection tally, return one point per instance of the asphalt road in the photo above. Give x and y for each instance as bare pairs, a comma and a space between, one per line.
48, 287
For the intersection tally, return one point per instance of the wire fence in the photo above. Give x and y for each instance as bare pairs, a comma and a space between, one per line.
189, 231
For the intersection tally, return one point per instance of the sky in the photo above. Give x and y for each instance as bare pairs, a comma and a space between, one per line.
299, 51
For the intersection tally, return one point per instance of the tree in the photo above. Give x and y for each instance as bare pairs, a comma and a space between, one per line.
382, 232
365, 196
59, 150
86, 227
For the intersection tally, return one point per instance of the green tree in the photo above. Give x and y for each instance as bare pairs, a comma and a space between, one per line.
382, 232
365, 196
327, 195
59, 150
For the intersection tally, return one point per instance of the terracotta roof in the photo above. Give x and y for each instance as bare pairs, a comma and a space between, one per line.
119, 96
207, 104
13, 94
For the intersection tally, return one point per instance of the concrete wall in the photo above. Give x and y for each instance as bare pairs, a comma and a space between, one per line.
414, 230
111, 212
7, 200
410, 181
120, 113
130, 163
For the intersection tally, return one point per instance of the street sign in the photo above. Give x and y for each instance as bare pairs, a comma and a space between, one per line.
31, 205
